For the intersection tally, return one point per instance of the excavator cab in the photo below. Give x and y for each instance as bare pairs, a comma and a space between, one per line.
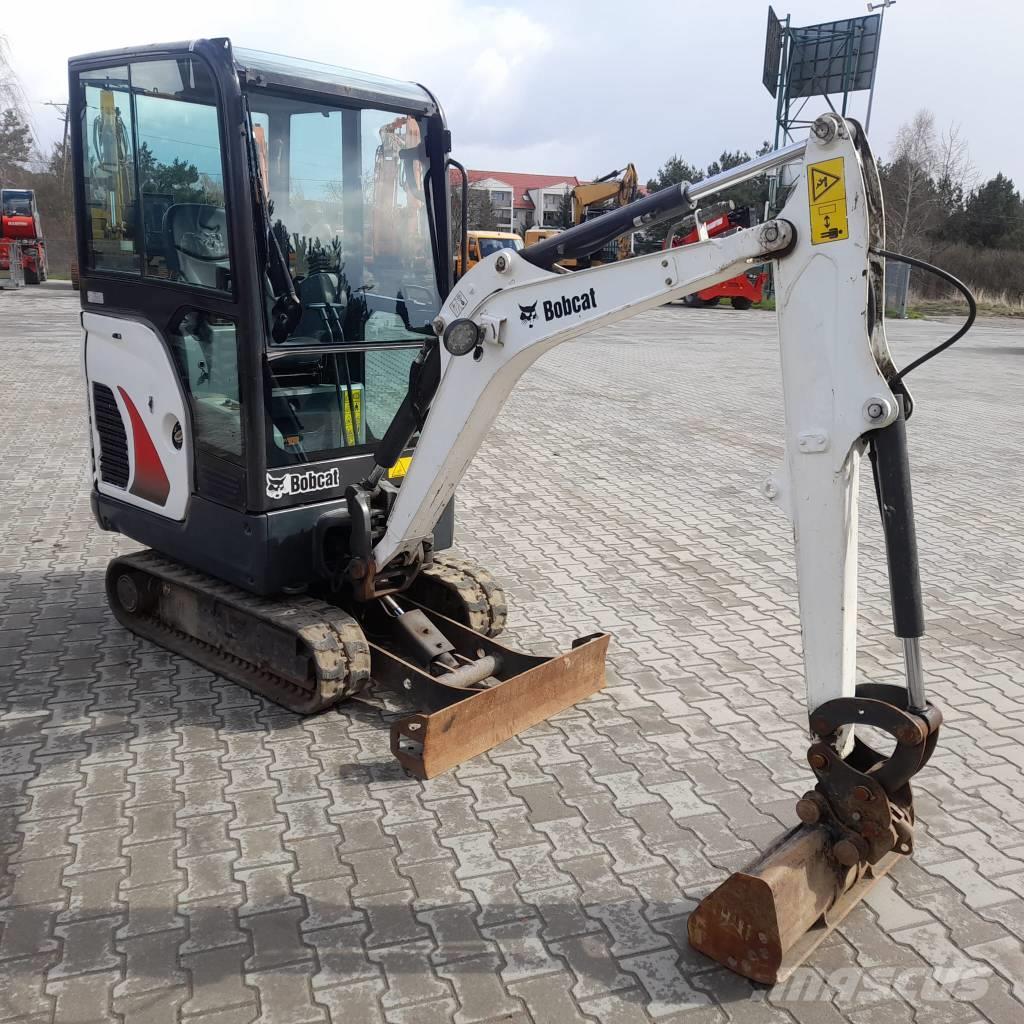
263, 247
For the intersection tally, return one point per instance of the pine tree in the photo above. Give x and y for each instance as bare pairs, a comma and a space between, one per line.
15, 146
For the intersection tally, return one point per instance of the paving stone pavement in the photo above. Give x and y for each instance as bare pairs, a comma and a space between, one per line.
172, 848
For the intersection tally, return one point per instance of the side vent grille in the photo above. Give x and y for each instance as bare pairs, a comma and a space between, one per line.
113, 439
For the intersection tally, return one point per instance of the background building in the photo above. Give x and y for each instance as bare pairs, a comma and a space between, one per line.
522, 200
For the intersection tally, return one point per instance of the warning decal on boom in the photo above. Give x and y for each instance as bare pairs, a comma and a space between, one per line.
826, 194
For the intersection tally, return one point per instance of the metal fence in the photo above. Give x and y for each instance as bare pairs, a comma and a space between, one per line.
59, 252
897, 286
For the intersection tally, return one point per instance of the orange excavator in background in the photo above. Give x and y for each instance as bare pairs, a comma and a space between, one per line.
743, 290
111, 184
396, 213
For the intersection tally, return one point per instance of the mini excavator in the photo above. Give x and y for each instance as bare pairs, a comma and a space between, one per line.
282, 408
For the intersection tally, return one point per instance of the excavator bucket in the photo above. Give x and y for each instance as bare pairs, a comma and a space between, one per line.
463, 719
764, 921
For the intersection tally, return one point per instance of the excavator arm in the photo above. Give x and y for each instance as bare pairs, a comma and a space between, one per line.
842, 397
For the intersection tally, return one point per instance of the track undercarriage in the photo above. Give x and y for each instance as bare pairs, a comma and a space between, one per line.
308, 654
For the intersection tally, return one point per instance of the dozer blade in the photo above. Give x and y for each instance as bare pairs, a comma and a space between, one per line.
463, 721
764, 921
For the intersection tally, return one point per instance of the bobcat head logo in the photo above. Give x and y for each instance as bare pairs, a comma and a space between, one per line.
528, 314
277, 488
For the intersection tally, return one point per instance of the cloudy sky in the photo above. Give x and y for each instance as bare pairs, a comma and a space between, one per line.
582, 87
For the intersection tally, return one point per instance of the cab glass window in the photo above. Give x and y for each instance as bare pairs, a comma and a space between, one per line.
489, 246
181, 174
348, 208
205, 349
153, 170
108, 156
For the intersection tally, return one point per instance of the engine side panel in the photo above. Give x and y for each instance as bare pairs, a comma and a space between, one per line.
141, 434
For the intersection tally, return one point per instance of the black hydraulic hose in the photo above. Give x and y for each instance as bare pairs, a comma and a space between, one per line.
949, 279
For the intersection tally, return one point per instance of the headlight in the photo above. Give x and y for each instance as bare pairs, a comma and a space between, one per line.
461, 336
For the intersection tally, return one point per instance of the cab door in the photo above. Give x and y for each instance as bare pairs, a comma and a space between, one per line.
164, 320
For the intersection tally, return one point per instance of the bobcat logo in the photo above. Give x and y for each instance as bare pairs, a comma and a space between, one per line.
528, 314
305, 482
277, 488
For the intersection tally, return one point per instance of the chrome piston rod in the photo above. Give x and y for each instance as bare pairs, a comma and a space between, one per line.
673, 201
744, 172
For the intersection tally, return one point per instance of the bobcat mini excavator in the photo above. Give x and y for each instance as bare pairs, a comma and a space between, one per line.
288, 444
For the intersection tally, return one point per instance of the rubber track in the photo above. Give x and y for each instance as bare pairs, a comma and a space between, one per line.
463, 591
333, 638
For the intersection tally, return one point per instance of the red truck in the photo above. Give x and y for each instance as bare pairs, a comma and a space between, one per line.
743, 290
19, 222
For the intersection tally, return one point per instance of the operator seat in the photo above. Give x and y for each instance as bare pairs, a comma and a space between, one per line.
198, 249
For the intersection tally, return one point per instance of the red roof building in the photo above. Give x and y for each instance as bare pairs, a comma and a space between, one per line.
522, 199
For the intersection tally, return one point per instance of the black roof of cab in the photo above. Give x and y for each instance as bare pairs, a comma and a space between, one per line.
258, 69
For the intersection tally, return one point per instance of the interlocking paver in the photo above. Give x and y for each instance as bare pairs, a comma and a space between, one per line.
173, 848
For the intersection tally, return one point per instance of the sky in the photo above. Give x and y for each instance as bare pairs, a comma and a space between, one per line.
581, 88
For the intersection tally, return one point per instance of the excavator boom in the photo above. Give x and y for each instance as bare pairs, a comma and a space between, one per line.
842, 396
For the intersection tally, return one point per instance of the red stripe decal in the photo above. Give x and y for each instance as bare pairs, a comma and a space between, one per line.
150, 483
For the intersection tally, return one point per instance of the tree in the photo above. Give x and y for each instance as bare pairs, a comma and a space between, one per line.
15, 147
178, 178
994, 216
52, 185
755, 192
481, 211
955, 174
12, 96
565, 211
908, 183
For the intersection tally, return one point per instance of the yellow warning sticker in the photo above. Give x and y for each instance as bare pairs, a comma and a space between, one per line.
400, 468
826, 194
353, 430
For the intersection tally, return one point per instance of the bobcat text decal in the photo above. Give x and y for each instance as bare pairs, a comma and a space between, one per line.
568, 304
302, 482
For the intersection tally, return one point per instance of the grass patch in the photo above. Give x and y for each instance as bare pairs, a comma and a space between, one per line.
990, 303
